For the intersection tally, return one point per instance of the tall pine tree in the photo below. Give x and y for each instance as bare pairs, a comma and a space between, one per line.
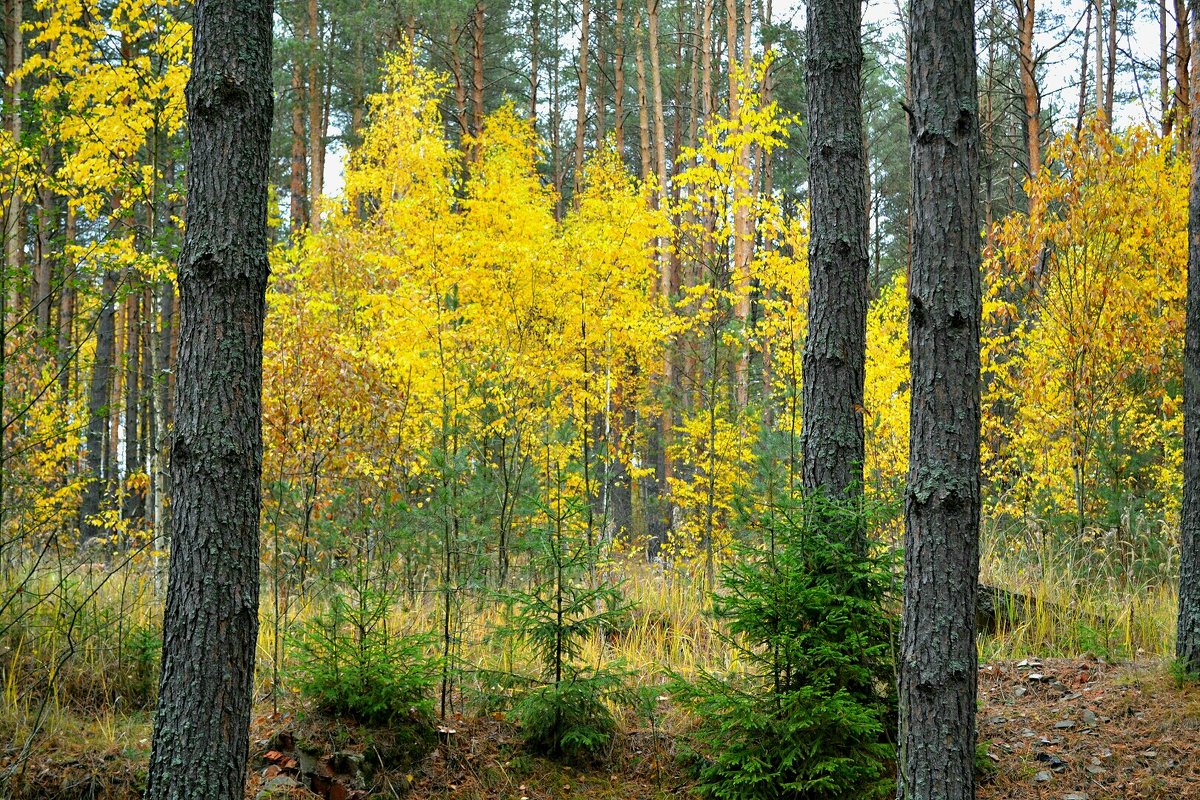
942, 502
211, 623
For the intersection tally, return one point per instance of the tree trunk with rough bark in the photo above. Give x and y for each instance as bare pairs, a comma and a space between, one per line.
1187, 641
942, 501
835, 347
210, 626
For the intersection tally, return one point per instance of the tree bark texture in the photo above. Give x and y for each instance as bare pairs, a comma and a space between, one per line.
835, 348
1187, 642
211, 620
942, 502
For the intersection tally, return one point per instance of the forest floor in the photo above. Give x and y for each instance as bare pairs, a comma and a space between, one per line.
1083, 729
1062, 729
1053, 729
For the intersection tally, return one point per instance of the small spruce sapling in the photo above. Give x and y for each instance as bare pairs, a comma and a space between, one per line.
350, 664
812, 717
563, 710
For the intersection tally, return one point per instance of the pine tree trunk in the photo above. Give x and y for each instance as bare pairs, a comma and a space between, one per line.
299, 208
643, 110
581, 98
535, 22
599, 95
460, 84
1187, 642
210, 626
666, 422
316, 111
1081, 109
619, 78
741, 246
477, 69
1183, 57
835, 347
942, 501
1029, 87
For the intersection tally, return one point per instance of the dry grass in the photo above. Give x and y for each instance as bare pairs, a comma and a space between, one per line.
76, 684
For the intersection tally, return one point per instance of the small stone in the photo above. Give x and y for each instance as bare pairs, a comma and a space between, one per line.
1075, 796
1045, 776
1064, 725
1089, 718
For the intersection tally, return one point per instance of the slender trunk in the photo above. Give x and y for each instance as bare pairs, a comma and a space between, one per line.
556, 160
1111, 76
460, 85
210, 624
942, 502
741, 245
43, 278
581, 97
477, 69
600, 97
1081, 109
316, 109
835, 348
299, 208
643, 111
14, 228
619, 77
667, 421
99, 392
1183, 58
66, 310
1029, 87
1099, 15
694, 83
660, 136
1164, 80
163, 366
535, 22
133, 369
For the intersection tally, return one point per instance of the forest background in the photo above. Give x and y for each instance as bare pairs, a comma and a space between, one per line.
539, 285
